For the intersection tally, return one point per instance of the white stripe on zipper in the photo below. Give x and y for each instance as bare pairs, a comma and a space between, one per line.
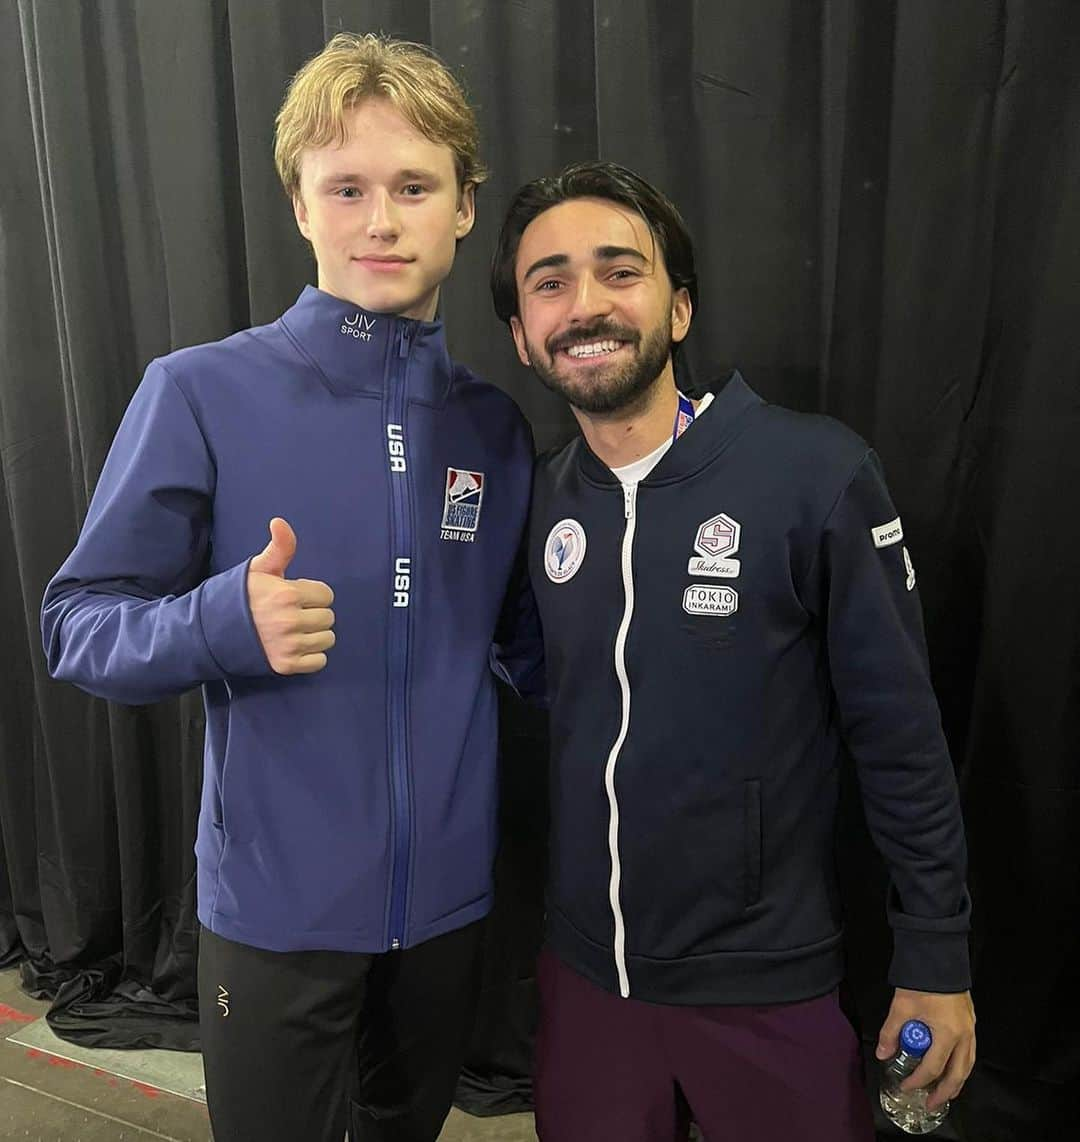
629, 500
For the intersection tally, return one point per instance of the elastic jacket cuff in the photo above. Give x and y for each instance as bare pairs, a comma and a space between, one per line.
229, 629
930, 961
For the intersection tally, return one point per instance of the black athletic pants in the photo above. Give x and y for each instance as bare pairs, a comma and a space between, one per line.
298, 1046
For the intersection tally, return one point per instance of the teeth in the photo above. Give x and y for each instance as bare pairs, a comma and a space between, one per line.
594, 348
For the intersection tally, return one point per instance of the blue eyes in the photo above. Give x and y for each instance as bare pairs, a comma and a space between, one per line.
410, 190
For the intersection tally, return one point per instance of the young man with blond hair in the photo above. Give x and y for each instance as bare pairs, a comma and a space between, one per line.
347, 827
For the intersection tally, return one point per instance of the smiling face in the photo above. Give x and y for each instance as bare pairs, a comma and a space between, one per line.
597, 313
383, 213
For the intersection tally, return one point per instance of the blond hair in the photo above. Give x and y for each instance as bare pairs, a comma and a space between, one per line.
352, 68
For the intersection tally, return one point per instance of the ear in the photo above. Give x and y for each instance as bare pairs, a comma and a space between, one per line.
466, 211
518, 331
301, 215
681, 313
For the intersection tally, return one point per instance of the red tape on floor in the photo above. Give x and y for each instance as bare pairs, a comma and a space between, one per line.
10, 1015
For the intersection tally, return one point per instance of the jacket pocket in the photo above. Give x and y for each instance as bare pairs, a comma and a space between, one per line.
752, 841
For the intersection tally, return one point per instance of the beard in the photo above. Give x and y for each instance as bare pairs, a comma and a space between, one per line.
604, 388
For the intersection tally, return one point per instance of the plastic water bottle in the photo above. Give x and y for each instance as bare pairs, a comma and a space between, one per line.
907, 1109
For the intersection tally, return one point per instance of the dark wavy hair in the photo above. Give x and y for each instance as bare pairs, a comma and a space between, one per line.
594, 179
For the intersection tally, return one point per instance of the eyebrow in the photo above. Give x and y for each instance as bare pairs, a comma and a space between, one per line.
413, 174
601, 253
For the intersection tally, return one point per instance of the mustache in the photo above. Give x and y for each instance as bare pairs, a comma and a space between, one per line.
596, 331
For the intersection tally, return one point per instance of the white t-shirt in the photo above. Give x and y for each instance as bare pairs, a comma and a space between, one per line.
637, 471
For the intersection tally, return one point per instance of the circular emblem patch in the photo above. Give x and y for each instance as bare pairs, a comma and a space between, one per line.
564, 550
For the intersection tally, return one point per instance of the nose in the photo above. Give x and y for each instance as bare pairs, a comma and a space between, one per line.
384, 222
590, 300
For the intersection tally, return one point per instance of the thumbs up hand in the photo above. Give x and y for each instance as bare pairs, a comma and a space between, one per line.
292, 616
275, 557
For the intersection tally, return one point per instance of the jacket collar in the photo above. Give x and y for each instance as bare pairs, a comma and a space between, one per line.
355, 350
701, 443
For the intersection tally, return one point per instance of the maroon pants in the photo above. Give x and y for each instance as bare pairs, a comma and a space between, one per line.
610, 1068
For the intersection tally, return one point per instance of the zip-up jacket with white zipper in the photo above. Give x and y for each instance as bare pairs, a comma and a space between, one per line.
351, 809
714, 636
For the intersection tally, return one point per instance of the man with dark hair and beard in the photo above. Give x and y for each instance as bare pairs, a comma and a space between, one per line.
727, 604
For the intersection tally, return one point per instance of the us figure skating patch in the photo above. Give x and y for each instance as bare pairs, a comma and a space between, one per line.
461, 505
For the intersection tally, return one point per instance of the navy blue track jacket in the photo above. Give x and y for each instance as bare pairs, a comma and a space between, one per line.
713, 636
351, 809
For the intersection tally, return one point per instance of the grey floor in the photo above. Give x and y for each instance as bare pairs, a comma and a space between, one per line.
51, 1092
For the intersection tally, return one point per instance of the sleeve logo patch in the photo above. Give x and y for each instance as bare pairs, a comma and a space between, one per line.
887, 534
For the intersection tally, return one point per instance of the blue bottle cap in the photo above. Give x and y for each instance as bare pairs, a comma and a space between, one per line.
915, 1037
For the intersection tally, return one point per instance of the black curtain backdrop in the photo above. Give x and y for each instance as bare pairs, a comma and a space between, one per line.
884, 197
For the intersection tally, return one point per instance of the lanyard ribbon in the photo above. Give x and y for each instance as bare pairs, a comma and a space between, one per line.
684, 417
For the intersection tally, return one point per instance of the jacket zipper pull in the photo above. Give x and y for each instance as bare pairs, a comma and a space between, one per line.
629, 491
403, 341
